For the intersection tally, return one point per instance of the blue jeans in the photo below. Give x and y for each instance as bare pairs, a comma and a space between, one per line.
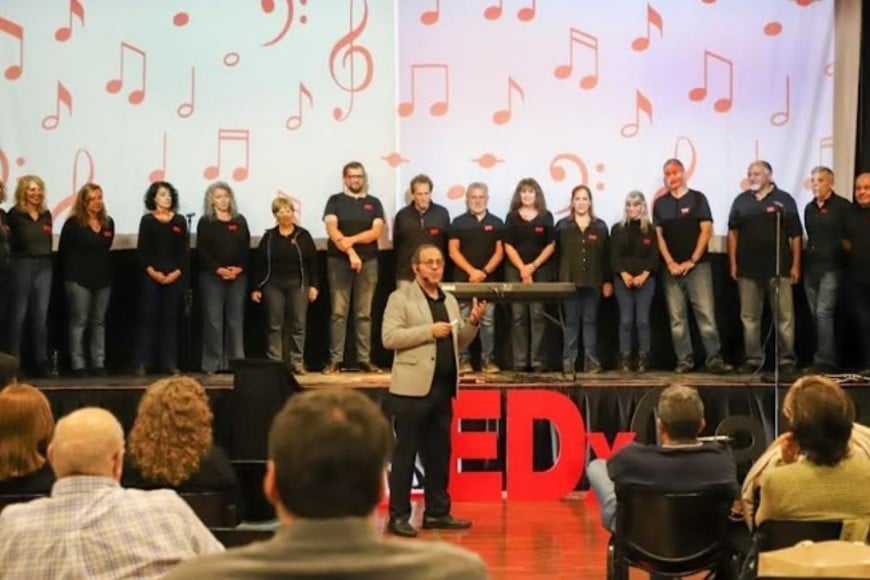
523, 316
159, 309
696, 288
634, 307
344, 283
286, 310
822, 293
222, 299
582, 307
87, 309
31, 287
752, 293
486, 332
604, 490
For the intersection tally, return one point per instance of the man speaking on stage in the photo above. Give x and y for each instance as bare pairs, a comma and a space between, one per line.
425, 328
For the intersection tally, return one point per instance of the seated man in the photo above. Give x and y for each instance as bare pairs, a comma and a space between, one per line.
91, 527
823, 478
328, 449
680, 463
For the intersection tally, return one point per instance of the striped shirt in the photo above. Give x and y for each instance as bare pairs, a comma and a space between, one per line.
91, 527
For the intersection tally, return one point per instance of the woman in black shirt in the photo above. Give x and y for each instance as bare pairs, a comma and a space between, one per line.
5, 272
85, 241
286, 271
529, 243
222, 243
634, 257
30, 244
26, 426
163, 248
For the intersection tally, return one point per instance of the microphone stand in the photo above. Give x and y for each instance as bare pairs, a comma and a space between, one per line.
776, 346
188, 296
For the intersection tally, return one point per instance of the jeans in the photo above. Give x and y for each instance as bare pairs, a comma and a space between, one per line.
752, 293
344, 282
31, 287
5, 312
159, 310
862, 309
634, 308
222, 342
524, 315
287, 311
822, 293
604, 490
87, 309
486, 332
583, 306
697, 288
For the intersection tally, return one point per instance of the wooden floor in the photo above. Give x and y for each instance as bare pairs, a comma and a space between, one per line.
519, 540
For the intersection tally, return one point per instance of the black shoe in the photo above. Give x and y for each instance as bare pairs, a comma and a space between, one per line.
331, 368
447, 522
568, 369
719, 368
365, 366
593, 367
79, 373
748, 369
401, 528
683, 368
643, 363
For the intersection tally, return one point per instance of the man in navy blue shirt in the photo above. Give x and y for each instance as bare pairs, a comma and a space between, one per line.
420, 222
752, 255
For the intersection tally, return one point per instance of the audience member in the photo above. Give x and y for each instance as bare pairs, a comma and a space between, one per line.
8, 369
328, 450
26, 424
5, 271
91, 527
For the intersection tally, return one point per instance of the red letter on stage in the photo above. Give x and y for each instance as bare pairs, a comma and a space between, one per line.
523, 407
602, 449
475, 486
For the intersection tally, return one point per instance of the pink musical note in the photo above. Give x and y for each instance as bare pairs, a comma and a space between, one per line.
17, 32
641, 104
160, 174
135, 96
50, 122
345, 52
502, 116
456, 192
180, 19
780, 118
228, 136
268, 7
653, 19
723, 104
439, 107
744, 183
295, 121
525, 14
430, 17
772, 28
75, 9
558, 173
186, 109
67, 202
487, 161
578, 37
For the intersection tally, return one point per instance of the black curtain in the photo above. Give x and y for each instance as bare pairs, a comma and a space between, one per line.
862, 150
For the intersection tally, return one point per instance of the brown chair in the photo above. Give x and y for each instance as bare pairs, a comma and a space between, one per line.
216, 510
235, 537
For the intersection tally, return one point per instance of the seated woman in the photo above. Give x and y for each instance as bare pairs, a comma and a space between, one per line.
821, 475
26, 425
170, 444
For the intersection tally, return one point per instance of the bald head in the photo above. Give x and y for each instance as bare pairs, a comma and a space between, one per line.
89, 441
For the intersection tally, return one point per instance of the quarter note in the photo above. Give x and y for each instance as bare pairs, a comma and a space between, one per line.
50, 122
502, 116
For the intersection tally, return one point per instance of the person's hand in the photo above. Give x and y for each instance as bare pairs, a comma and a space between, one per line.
795, 274
527, 280
687, 266
257, 296
527, 270
344, 243
477, 310
627, 279
312, 294
607, 289
440, 329
641, 279
355, 261
225, 273
789, 447
733, 272
172, 277
675, 269
235, 271
477, 276
155, 275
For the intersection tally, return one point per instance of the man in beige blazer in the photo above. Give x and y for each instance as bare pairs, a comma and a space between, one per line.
425, 328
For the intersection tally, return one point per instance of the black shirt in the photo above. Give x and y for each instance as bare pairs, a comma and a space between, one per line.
858, 233
5, 252
34, 483
85, 254
163, 246
529, 238
826, 228
632, 250
444, 378
355, 215
412, 229
754, 221
680, 220
28, 237
584, 255
286, 260
477, 240
222, 243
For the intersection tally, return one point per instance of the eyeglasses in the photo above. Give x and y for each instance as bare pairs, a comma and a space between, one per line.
355, 176
432, 263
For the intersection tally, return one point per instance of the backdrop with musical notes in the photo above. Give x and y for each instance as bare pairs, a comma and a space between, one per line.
274, 97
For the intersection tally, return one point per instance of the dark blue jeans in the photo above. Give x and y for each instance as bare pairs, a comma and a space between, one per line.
159, 311
696, 288
287, 311
526, 318
634, 307
223, 320
87, 310
583, 307
344, 283
822, 292
31, 288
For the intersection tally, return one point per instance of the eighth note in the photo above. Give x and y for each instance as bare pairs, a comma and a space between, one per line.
641, 103
75, 8
653, 19
502, 116
240, 173
135, 96
295, 121
439, 107
723, 104
15, 31
586, 40
50, 122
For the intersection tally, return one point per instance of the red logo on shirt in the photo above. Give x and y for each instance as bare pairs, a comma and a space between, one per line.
434, 231
592, 237
46, 229
770, 209
107, 233
487, 228
647, 241
684, 211
823, 211
232, 227
368, 207
539, 229
176, 229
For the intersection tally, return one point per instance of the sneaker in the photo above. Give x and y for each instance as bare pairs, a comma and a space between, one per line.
624, 364
593, 367
748, 368
366, 367
331, 368
683, 368
490, 368
465, 367
643, 363
299, 369
719, 368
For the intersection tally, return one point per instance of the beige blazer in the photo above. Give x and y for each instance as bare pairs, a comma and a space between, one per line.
407, 329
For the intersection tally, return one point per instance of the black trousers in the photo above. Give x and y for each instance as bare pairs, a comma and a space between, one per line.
421, 424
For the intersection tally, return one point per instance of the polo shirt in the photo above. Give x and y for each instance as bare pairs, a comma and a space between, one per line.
680, 220
755, 223
412, 229
477, 239
355, 215
826, 228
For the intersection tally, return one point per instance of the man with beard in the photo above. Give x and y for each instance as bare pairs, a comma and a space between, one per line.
752, 256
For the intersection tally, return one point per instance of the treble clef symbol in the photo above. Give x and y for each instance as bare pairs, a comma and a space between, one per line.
348, 52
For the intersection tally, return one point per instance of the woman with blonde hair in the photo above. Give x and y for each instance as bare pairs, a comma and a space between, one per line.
26, 425
170, 444
85, 241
